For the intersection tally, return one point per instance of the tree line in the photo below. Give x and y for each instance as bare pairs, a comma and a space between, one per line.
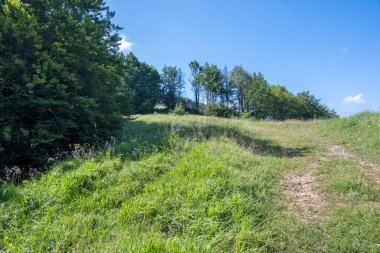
222, 92
219, 92
63, 80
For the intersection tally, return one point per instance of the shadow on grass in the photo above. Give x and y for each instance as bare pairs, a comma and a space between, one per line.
140, 139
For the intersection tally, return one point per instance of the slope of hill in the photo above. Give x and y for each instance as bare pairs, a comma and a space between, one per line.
204, 184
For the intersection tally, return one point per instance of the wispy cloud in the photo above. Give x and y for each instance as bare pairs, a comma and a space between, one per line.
358, 99
125, 44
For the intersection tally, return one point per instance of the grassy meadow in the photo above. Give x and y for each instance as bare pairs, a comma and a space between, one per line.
205, 184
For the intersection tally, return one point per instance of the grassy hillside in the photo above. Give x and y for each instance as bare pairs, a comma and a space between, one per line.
203, 184
359, 133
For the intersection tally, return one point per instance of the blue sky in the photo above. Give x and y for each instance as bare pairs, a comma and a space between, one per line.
329, 47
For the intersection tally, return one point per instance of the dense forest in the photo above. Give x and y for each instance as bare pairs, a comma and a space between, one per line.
63, 81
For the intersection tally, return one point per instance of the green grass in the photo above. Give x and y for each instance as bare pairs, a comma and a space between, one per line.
359, 133
201, 184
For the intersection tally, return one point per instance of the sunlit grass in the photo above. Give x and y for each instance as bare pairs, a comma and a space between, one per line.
199, 184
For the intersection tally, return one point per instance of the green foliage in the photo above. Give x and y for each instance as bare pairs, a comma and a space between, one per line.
241, 80
172, 80
245, 115
310, 107
219, 111
196, 82
241, 92
61, 78
228, 88
212, 78
179, 110
257, 97
283, 103
143, 81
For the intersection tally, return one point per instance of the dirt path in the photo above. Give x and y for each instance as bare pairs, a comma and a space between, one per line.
302, 190
370, 169
301, 187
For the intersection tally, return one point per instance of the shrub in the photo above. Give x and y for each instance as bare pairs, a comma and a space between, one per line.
219, 111
179, 110
245, 115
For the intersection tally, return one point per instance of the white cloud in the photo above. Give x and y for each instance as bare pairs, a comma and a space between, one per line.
125, 44
358, 99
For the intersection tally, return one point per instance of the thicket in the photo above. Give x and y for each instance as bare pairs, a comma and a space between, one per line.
60, 78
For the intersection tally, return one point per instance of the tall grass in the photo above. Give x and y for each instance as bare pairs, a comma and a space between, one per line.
360, 133
193, 184
174, 188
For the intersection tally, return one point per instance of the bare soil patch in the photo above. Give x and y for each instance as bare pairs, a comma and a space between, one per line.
339, 151
302, 189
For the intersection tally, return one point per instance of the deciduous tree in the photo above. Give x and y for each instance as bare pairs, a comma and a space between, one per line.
172, 80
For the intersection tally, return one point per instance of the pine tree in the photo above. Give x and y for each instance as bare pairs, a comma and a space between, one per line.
62, 77
143, 81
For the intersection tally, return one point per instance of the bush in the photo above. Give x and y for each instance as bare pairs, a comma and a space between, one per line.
245, 115
179, 110
219, 111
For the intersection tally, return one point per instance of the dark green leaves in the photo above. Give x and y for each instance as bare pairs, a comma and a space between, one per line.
61, 74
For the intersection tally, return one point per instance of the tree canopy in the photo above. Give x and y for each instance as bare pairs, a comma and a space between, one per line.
230, 93
144, 82
61, 77
173, 82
